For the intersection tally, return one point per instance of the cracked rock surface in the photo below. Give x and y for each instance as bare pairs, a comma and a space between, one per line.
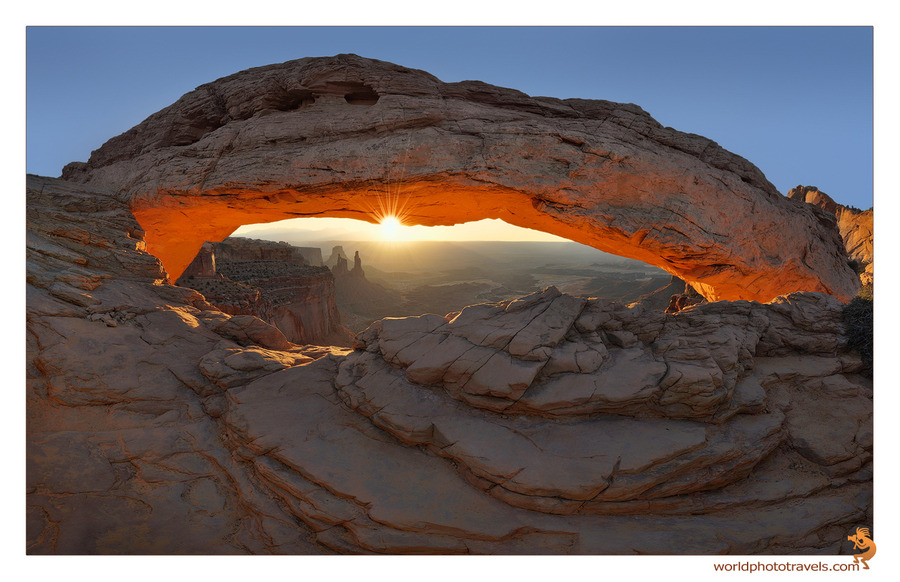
545, 425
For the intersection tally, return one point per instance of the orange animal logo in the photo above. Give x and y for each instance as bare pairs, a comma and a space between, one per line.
862, 541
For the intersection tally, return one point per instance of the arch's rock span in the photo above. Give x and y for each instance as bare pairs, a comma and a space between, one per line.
549, 424
352, 137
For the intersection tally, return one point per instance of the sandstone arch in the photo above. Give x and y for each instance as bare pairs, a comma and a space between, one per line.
352, 137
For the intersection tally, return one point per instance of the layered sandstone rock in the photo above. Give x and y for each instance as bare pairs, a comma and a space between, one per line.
272, 281
124, 452
158, 424
242, 249
352, 137
203, 265
855, 226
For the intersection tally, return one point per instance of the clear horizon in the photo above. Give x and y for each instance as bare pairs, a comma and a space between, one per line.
348, 229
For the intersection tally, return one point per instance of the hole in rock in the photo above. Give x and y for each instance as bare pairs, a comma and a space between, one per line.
317, 278
289, 101
361, 98
361, 95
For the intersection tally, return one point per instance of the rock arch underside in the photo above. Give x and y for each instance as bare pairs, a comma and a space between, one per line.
545, 424
291, 140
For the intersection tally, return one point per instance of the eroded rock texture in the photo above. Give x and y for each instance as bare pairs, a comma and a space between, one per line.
352, 137
273, 281
548, 424
124, 452
856, 227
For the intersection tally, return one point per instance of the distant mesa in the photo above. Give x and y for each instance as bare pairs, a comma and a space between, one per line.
340, 268
337, 252
247, 249
347, 136
359, 300
272, 281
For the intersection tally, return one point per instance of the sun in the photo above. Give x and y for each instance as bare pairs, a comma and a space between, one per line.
390, 228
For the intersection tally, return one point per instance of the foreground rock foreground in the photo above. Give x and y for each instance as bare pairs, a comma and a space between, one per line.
548, 424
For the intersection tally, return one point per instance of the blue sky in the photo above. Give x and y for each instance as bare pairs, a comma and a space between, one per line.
797, 102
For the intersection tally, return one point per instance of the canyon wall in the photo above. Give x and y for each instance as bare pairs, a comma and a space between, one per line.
312, 255
204, 264
856, 227
272, 281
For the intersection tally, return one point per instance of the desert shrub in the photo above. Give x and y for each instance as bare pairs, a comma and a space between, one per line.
866, 292
858, 317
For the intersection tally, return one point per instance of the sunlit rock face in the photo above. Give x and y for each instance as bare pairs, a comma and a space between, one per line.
157, 424
352, 137
856, 226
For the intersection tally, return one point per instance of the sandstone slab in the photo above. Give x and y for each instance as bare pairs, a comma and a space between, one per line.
157, 424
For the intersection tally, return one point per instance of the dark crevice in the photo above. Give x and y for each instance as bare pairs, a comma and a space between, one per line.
291, 100
361, 95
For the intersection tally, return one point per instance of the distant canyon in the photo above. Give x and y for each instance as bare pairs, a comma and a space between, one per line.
312, 300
